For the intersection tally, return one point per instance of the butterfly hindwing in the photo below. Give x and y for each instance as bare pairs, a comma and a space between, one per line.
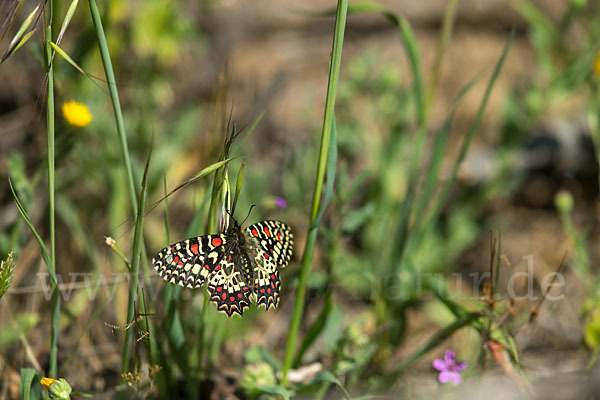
228, 286
188, 263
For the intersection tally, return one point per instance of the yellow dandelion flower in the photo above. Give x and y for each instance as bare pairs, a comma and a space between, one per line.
76, 114
58, 389
46, 382
597, 64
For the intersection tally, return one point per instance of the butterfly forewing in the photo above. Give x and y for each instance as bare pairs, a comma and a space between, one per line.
238, 265
188, 263
270, 247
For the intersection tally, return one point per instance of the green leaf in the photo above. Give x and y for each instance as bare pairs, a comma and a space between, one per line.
280, 390
327, 376
26, 390
256, 354
314, 331
333, 327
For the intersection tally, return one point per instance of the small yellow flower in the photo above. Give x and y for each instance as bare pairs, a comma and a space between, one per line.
58, 389
46, 382
597, 64
76, 114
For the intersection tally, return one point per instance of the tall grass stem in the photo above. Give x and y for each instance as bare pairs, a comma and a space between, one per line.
55, 298
334, 71
114, 96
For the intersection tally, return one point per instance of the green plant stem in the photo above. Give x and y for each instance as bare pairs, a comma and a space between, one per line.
55, 298
334, 70
447, 25
134, 275
114, 96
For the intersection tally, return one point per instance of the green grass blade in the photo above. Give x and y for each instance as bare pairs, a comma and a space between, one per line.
412, 51
24, 26
44, 250
55, 298
328, 118
64, 55
446, 32
21, 42
469, 137
135, 271
238, 186
67, 20
313, 332
114, 96
331, 168
435, 340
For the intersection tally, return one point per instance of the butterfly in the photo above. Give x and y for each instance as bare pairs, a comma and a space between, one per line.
239, 265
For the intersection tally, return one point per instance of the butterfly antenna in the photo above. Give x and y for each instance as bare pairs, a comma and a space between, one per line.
249, 211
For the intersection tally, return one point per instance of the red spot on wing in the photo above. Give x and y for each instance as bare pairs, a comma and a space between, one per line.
194, 248
206, 266
219, 288
254, 232
176, 260
269, 290
266, 230
240, 295
266, 255
262, 290
224, 296
218, 267
217, 241
231, 298
180, 262
272, 276
279, 236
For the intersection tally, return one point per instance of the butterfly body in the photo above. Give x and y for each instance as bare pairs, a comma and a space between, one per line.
240, 265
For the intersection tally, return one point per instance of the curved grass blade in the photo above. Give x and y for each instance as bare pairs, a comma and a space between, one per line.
67, 20
64, 55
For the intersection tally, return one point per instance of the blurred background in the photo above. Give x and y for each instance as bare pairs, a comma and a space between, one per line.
523, 203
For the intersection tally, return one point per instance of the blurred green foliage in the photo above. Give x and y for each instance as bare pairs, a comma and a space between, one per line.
388, 238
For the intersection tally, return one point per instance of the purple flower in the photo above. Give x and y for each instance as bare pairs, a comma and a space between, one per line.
280, 202
449, 368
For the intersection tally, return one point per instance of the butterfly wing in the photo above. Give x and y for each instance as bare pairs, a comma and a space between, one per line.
188, 263
228, 286
269, 245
